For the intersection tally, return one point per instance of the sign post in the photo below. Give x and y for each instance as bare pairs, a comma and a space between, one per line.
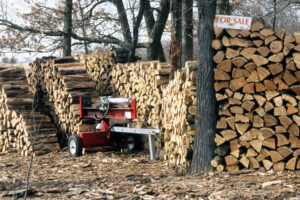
232, 22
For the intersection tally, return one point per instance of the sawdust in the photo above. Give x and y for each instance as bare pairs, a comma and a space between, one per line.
115, 175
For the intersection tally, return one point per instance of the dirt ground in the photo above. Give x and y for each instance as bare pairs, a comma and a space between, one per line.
108, 174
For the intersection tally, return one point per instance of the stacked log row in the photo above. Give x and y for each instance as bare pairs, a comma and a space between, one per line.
178, 117
99, 66
257, 86
21, 127
59, 83
142, 81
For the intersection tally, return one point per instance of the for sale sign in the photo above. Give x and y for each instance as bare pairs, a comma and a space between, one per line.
232, 22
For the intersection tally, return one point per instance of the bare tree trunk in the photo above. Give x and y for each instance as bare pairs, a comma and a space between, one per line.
123, 21
179, 25
223, 7
175, 43
207, 110
158, 29
83, 28
136, 26
150, 21
67, 37
274, 15
187, 31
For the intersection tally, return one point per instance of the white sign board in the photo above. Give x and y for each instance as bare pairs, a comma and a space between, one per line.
232, 22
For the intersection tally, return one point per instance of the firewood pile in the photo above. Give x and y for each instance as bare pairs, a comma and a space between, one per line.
143, 82
99, 66
257, 84
58, 84
178, 116
21, 127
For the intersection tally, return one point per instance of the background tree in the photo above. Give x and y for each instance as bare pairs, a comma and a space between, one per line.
11, 59
155, 29
187, 31
78, 7
67, 34
175, 50
135, 32
223, 7
41, 27
155, 51
206, 117
277, 14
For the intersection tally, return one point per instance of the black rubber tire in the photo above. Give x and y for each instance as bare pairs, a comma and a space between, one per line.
77, 142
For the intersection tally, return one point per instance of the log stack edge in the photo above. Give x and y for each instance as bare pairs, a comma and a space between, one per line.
257, 82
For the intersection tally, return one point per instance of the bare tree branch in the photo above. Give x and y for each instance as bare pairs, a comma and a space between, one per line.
278, 10
28, 29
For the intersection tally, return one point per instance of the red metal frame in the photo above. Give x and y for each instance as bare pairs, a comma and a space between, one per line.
113, 113
102, 137
96, 138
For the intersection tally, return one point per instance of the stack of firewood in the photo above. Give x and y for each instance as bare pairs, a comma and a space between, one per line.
257, 83
178, 116
99, 66
21, 127
58, 84
142, 81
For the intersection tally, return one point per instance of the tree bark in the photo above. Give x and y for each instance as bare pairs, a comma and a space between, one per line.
274, 14
179, 25
175, 43
150, 21
136, 26
67, 35
187, 31
83, 28
207, 110
123, 21
158, 29
223, 7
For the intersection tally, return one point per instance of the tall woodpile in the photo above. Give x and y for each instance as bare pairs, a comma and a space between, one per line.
142, 81
178, 116
58, 84
257, 84
99, 66
21, 127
